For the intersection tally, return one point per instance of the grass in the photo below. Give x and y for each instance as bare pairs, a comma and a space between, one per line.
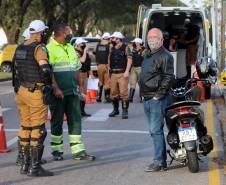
5, 75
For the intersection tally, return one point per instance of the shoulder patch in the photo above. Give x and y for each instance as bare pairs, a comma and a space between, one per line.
44, 49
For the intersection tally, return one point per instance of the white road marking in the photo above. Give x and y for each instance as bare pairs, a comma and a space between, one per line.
6, 82
5, 109
8, 92
12, 141
100, 115
97, 131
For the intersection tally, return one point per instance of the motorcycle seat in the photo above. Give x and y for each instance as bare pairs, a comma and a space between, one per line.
183, 103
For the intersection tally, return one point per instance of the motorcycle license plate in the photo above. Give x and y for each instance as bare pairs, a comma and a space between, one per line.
187, 134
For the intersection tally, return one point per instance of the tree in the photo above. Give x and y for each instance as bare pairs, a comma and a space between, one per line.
11, 17
84, 16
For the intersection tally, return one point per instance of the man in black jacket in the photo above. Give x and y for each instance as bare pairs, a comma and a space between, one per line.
157, 74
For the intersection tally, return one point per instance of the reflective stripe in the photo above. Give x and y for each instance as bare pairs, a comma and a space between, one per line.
60, 64
58, 148
63, 56
67, 68
75, 139
64, 70
77, 148
56, 139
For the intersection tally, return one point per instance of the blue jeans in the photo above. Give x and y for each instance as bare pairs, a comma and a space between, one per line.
155, 112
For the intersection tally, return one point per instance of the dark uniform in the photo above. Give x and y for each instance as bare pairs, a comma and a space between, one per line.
137, 58
29, 79
118, 83
102, 53
84, 74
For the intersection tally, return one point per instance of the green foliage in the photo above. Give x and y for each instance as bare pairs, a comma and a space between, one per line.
84, 16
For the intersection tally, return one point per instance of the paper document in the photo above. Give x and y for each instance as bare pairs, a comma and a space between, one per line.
92, 84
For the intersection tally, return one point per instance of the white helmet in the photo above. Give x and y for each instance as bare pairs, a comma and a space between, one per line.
37, 26
106, 35
26, 34
80, 40
137, 40
117, 35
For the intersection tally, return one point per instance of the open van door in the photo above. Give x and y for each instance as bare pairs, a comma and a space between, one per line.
140, 20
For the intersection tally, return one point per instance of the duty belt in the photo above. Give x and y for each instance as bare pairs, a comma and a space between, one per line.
117, 71
32, 86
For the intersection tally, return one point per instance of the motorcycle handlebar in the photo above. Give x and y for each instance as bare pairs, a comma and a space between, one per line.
183, 91
195, 80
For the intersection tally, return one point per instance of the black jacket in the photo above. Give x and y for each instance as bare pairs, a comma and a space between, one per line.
157, 74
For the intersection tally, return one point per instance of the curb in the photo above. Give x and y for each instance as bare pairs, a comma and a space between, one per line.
224, 129
5, 79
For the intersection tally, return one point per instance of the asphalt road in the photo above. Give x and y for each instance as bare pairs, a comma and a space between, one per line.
122, 148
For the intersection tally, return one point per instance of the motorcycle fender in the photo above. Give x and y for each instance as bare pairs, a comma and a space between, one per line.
190, 145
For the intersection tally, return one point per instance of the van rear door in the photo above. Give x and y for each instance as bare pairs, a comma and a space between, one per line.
140, 19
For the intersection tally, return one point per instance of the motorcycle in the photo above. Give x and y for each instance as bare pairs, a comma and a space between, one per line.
187, 136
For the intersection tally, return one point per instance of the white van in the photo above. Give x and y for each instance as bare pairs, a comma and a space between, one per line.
174, 18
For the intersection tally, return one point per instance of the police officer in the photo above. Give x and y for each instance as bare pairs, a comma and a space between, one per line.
137, 58
26, 36
31, 75
120, 63
85, 71
102, 53
65, 64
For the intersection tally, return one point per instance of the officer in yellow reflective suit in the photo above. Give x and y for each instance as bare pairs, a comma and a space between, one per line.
65, 65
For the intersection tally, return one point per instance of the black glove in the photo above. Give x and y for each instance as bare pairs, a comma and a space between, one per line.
48, 94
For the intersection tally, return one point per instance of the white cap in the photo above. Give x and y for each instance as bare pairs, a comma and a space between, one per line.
80, 41
106, 35
26, 34
37, 26
117, 35
137, 40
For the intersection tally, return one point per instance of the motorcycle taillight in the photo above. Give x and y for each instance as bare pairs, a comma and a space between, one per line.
183, 109
185, 125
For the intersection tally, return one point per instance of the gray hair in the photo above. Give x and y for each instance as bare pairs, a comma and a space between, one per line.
157, 29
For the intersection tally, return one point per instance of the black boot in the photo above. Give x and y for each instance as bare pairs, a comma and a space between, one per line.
35, 167
25, 159
107, 96
131, 94
20, 155
99, 93
115, 111
82, 105
125, 106
42, 161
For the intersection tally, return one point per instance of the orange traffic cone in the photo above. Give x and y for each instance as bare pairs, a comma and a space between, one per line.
3, 146
93, 94
88, 98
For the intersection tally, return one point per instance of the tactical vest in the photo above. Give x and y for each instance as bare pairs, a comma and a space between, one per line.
86, 66
102, 53
27, 69
137, 58
118, 58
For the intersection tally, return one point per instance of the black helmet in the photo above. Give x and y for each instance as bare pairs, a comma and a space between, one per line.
206, 67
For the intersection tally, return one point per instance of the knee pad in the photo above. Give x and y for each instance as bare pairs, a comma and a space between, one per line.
43, 134
39, 134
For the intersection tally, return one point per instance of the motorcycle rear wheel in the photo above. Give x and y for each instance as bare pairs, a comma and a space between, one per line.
193, 163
